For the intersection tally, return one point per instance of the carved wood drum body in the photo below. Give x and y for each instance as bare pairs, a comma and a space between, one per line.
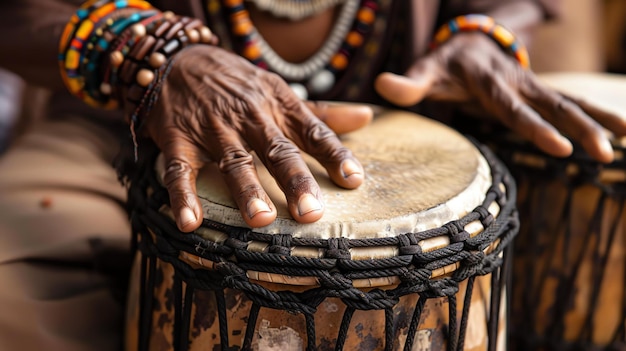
414, 259
569, 288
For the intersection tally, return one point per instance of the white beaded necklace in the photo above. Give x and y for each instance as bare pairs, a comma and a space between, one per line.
295, 9
312, 70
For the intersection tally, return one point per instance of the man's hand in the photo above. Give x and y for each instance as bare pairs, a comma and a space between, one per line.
471, 67
217, 107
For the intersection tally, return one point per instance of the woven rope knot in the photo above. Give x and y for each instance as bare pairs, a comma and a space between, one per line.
457, 232
475, 258
486, 218
338, 248
336, 281
236, 244
495, 188
281, 244
408, 245
442, 287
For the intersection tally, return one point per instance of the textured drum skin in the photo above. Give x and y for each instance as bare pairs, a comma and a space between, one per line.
419, 175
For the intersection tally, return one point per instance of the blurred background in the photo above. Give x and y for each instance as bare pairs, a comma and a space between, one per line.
589, 37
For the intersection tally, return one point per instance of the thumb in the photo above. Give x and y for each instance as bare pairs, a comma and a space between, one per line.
410, 89
341, 118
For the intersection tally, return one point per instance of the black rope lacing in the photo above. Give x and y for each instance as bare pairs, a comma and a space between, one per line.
541, 271
159, 239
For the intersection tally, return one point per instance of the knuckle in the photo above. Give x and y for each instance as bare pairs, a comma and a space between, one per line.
281, 149
517, 114
235, 160
291, 103
175, 171
323, 143
319, 132
274, 79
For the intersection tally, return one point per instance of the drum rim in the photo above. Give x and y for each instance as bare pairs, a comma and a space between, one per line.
470, 255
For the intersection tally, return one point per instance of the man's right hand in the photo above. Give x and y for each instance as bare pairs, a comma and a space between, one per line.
217, 107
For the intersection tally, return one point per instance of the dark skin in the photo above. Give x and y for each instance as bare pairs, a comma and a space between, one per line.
203, 122
237, 108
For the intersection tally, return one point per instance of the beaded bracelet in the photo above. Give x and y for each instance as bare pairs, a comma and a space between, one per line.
111, 50
481, 23
77, 33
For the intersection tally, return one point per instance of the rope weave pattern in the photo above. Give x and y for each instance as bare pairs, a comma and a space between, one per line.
597, 239
573, 262
158, 238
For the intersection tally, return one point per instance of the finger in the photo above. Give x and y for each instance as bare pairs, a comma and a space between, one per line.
410, 89
179, 177
316, 139
237, 167
570, 119
341, 118
283, 160
498, 98
611, 121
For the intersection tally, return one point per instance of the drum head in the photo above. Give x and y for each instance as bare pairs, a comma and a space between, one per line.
420, 175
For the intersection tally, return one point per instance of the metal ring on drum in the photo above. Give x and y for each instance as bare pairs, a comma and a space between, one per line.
415, 259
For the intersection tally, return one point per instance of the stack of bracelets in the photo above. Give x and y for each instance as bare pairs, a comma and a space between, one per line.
116, 53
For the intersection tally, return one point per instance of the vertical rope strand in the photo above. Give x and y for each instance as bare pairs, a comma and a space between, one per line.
467, 302
310, 331
184, 329
223, 320
178, 311
344, 327
494, 310
250, 328
388, 329
415, 321
600, 269
452, 323
146, 326
143, 326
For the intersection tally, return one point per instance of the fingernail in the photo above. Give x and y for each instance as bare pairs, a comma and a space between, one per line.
308, 203
349, 168
256, 206
606, 148
187, 216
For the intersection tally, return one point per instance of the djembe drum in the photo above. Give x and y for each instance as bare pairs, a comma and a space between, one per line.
569, 290
416, 258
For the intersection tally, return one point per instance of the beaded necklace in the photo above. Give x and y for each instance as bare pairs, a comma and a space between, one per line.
318, 74
295, 9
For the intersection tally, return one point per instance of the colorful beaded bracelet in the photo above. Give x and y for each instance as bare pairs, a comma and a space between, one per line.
78, 32
485, 24
115, 51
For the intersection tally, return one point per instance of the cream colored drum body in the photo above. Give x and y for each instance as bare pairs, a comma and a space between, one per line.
389, 264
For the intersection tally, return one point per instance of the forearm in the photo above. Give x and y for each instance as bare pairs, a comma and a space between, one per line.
31, 31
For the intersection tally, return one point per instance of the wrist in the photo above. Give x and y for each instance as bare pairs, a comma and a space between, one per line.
487, 26
113, 53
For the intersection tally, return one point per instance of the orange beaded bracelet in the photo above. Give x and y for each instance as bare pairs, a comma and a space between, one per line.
485, 24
